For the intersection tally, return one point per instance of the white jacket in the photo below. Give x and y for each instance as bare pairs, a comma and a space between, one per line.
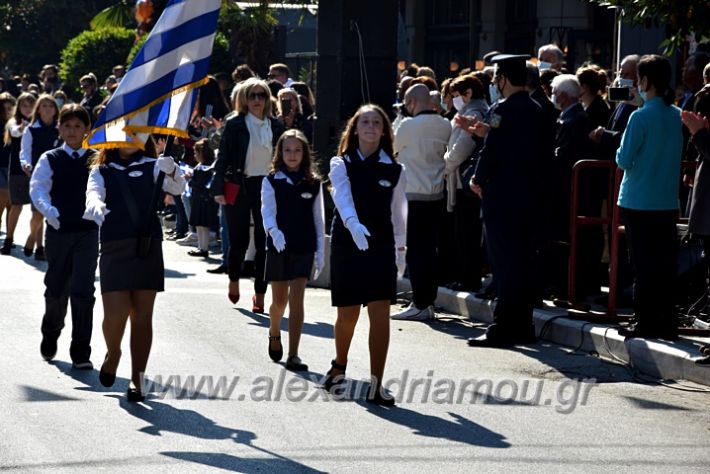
420, 144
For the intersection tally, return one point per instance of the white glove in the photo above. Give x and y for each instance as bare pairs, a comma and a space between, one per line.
359, 233
166, 164
96, 212
278, 239
320, 264
53, 217
401, 260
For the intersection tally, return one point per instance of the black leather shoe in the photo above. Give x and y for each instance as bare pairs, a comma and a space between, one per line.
39, 254
106, 379
48, 348
381, 398
294, 363
199, 253
218, 270
134, 395
7, 246
276, 354
497, 336
334, 380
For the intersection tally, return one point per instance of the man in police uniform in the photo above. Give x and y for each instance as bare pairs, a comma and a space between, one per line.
509, 179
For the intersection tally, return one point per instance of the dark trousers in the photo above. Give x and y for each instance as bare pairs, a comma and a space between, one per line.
71, 266
181, 218
248, 204
653, 246
468, 229
423, 224
512, 252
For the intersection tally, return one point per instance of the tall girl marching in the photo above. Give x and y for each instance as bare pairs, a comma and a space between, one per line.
292, 210
367, 240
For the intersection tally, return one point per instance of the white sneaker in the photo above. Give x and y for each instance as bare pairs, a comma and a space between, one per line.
415, 314
189, 239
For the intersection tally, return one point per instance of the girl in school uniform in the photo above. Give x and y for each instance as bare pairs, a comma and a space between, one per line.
18, 181
292, 211
203, 208
120, 187
7, 107
368, 239
41, 135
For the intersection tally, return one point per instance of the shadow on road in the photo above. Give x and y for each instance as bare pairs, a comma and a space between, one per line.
323, 330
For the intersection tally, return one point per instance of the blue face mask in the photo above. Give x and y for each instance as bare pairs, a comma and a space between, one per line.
493, 92
643, 95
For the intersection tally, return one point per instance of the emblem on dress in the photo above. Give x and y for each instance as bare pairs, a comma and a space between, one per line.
306, 195
135, 174
495, 120
385, 184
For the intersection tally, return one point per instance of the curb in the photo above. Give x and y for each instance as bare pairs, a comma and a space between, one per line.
660, 359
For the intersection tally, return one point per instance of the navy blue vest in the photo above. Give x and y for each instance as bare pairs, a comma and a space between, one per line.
5, 155
68, 193
44, 138
15, 165
140, 184
372, 184
294, 214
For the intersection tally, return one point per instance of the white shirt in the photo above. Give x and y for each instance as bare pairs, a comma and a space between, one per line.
268, 212
258, 159
26, 145
343, 197
41, 181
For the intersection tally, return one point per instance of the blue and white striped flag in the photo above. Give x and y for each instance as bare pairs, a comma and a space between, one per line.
157, 94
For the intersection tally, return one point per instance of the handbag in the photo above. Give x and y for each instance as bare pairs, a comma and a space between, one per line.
231, 191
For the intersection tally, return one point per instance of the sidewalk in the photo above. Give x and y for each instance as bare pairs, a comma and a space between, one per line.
661, 359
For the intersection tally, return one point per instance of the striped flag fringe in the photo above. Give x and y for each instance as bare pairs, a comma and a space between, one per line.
158, 92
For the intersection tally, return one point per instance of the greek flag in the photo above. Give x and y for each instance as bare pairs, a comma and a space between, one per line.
157, 94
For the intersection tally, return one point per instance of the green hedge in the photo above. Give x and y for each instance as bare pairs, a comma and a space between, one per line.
96, 51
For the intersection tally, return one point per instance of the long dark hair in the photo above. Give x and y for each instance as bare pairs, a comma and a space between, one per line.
211, 94
17, 116
657, 69
349, 140
307, 165
102, 156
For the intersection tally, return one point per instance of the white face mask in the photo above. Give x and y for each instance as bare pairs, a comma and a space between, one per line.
458, 102
543, 65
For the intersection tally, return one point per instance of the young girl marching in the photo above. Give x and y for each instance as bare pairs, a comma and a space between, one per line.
203, 209
42, 135
292, 211
18, 181
118, 196
367, 240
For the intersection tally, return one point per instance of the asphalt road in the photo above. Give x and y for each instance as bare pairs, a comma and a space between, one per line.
219, 403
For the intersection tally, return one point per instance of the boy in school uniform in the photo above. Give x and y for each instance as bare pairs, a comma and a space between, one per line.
58, 191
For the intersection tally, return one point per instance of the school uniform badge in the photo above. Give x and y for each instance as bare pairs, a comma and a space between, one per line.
495, 121
385, 184
135, 174
306, 195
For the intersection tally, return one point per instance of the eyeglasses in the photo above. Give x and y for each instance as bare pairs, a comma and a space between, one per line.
85, 85
257, 95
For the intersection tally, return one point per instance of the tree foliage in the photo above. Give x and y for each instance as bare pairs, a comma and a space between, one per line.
33, 32
96, 51
680, 17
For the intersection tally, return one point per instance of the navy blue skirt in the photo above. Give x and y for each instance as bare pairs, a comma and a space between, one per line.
359, 277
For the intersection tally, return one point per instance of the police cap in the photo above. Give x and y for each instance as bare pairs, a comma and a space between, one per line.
512, 66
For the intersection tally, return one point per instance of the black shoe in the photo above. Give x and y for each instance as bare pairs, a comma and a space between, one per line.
27, 251
380, 398
497, 336
331, 380
218, 270
276, 354
85, 365
176, 236
199, 253
7, 246
48, 348
106, 379
294, 363
39, 254
134, 395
